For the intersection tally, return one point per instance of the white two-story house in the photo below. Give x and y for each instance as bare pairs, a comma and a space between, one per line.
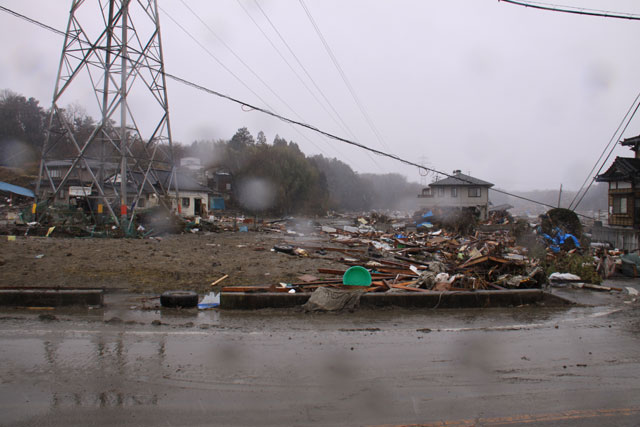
456, 192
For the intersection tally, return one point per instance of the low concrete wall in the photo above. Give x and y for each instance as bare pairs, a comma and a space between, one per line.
619, 237
250, 301
256, 300
477, 299
51, 297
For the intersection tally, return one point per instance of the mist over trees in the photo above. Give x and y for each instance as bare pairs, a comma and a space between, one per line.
294, 182
23, 127
595, 200
274, 177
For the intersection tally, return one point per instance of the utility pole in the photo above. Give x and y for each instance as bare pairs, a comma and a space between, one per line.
423, 172
559, 196
137, 151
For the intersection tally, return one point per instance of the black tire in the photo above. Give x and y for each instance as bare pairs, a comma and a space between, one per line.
287, 249
183, 299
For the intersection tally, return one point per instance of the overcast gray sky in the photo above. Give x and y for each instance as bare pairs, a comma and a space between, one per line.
522, 98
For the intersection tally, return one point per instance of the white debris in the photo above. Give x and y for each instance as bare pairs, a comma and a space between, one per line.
564, 277
211, 300
442, 277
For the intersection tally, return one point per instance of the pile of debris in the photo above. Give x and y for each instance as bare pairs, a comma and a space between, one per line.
413, 255
415, 261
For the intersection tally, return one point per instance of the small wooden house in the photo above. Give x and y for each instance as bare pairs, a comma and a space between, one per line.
623, 177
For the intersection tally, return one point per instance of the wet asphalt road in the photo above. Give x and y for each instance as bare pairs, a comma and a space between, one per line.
519, 366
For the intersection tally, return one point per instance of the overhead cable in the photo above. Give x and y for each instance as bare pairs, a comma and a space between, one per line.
609, 155
344, 76
327, 134
574, 10
234, 74
293, 70
346, 141
342, 123
614, 139
32, 21
304, 69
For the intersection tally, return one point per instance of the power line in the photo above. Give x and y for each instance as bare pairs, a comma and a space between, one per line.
344, 76
306, 72
613, 140
286, 61
291, 68
346, 141
232, 73
574, 10
256, 75
32, 21
233, 52
344, 124
609, 155
327, 134
598, 13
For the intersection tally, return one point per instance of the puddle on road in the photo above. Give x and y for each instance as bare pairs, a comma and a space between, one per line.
81, 362
123, 313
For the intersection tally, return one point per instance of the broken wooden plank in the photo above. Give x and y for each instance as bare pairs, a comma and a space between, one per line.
483, 259
395, 271
409, 288
219, 280
324, 248
411, 260
257, 288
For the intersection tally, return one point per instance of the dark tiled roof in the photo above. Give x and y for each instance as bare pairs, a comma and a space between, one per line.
461, 179
185, 182
630, 141
622, 169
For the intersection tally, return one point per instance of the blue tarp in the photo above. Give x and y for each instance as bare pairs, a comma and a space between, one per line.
217, 203
10, 188
559, 239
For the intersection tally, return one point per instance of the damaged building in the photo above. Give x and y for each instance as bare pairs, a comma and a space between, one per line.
623, 178
458, 191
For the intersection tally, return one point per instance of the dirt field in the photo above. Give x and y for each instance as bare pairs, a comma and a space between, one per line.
188, 261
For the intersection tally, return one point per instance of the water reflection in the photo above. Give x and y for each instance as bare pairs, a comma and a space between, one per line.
103, 364
105, 399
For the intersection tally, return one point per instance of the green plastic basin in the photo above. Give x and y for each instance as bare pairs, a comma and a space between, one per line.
357, 276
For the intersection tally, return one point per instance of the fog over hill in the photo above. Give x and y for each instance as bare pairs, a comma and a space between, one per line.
593, 202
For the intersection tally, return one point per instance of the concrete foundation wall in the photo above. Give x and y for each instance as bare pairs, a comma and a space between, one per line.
619, 237
516, 297
51, 297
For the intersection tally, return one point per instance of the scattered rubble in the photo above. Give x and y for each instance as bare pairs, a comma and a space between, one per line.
424, 258
419, 253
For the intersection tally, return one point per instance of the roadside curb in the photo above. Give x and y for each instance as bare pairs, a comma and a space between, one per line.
477, 299
51, 297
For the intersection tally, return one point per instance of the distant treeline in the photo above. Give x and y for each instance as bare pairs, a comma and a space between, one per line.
272, 177
23, 130
275, 177
279, 178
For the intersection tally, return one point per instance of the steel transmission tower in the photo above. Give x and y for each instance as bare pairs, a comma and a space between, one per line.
112, 53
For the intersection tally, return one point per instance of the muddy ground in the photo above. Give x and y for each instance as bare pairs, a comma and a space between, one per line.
187, 261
